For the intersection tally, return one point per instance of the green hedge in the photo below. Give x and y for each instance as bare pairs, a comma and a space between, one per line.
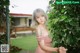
3, 11
64, 25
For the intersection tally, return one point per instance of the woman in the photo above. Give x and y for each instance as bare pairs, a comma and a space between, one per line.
44, 41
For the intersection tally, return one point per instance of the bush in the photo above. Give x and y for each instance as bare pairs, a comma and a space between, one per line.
64, 25
14, 49
3, 39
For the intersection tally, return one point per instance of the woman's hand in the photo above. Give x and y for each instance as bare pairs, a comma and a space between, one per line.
62, 50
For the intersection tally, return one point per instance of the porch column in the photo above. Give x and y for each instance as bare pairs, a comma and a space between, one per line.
7, 24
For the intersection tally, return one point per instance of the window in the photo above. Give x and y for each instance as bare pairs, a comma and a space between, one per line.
16, 21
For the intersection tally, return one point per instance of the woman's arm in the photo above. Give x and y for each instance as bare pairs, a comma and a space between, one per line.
47, 48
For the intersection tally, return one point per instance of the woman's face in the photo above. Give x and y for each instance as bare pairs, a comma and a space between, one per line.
41, 19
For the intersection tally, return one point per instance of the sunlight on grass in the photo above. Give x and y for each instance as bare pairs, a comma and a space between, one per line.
26, 42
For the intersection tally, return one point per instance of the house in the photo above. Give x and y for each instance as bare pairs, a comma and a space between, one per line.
21, 20
22, 23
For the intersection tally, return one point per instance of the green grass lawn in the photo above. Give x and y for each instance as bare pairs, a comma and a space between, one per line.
26, 42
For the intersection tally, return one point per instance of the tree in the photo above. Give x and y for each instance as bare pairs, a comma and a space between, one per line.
64, 25
3, 12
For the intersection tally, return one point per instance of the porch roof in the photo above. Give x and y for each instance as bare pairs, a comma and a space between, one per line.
20, 15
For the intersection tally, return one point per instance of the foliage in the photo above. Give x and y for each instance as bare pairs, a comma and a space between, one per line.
64, 25
14, 49
3, 4
3, 39
3, 12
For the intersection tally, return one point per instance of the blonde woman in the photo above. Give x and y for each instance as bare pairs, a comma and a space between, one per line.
44, 41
